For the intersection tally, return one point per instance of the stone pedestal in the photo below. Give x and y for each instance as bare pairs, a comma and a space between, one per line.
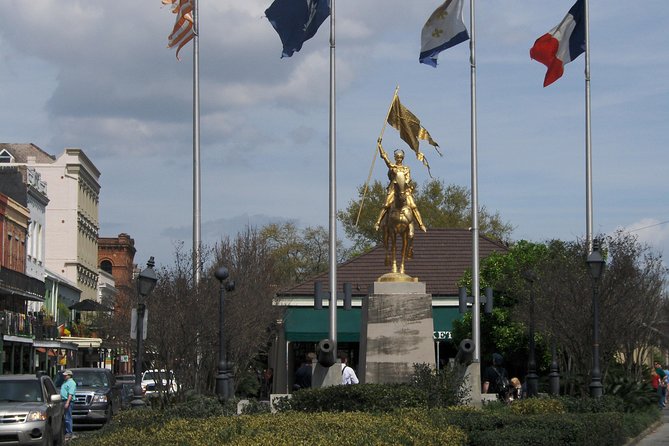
326, 376
396, 332
472, 381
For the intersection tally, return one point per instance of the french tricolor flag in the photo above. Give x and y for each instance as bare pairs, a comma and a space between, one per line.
562, 44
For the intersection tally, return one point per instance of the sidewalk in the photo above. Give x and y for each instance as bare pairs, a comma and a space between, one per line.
659, 435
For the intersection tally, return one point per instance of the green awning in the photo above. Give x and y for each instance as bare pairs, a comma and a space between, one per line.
309, 325
304, 324
443, 318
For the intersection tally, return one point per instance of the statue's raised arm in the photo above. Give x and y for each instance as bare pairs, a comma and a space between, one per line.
384, 155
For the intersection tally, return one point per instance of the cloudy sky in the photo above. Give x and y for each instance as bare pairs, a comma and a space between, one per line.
97, 75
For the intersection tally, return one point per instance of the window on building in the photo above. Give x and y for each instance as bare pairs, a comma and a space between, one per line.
6, 157
106, 266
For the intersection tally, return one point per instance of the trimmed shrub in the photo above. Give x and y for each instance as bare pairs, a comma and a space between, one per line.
441, 388
485, 428
637, 422
537, 406
289, 429
358, 398
606, 403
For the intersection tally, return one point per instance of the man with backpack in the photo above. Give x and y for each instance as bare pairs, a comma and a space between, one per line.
496, 379
348, 375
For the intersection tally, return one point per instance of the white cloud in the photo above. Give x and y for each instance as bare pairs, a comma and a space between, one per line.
653, 232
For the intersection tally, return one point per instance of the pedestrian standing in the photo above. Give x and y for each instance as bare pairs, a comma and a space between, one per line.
67, 393
303, 374
662, 386
348, 375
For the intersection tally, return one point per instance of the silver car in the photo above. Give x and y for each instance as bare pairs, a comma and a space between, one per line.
31, 411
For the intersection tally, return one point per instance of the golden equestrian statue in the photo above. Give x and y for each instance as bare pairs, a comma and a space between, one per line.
398, 215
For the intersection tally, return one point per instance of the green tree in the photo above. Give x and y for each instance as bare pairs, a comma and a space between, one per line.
298, 254
440, 206
505, 330
631, 300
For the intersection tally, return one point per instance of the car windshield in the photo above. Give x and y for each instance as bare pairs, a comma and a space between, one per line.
20, 391
85, 378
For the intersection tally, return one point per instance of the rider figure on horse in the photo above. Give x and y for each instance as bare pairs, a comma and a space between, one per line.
398, 173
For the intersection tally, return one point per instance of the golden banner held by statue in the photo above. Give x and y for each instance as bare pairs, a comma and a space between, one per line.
399, 214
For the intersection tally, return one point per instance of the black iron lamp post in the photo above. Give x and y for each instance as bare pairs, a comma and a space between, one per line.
224, 382
554, 375
146, 282
532, 377
596, 263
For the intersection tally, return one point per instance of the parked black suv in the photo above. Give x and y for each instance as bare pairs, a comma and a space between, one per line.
98, 396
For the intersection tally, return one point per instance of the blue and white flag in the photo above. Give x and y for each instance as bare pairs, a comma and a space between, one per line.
444, 29
297, 21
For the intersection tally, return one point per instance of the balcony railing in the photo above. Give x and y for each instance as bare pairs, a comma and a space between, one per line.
26, 325
16, 283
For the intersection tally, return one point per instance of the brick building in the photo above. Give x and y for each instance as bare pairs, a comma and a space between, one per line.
116, 256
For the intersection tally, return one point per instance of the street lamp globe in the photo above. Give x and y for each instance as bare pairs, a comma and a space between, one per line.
595, 261
147, 279
221, 273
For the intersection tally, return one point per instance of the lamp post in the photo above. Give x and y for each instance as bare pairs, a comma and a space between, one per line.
554, 375
532, 377
224, 382
596, 264
146, 282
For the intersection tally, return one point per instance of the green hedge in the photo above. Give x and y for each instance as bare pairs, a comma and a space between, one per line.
457, 426
360, 398
289, 429
375, 414
485, 428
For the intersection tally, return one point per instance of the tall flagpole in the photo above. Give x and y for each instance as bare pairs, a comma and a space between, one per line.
476, 308
588, 147
197, 261
333, 185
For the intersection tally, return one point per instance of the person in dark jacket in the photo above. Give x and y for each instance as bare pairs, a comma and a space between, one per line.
494, 376
303, 373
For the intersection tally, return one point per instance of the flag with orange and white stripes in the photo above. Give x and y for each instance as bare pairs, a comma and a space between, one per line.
182, 33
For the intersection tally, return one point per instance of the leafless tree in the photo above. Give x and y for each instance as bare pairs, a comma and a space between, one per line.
184, 329
631, 301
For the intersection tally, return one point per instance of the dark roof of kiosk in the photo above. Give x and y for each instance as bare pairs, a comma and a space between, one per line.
441, 256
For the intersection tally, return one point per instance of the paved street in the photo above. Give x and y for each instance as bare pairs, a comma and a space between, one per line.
660, 435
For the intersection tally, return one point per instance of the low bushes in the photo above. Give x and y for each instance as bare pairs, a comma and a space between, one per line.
351, 428
368, 398
376, 414
428, 388
550, 428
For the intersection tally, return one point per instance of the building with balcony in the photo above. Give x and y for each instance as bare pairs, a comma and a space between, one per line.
71, 221
24, 185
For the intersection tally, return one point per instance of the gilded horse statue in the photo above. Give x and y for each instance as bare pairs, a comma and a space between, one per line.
398, 216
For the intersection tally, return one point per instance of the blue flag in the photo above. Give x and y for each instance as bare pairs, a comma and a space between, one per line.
296, 21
